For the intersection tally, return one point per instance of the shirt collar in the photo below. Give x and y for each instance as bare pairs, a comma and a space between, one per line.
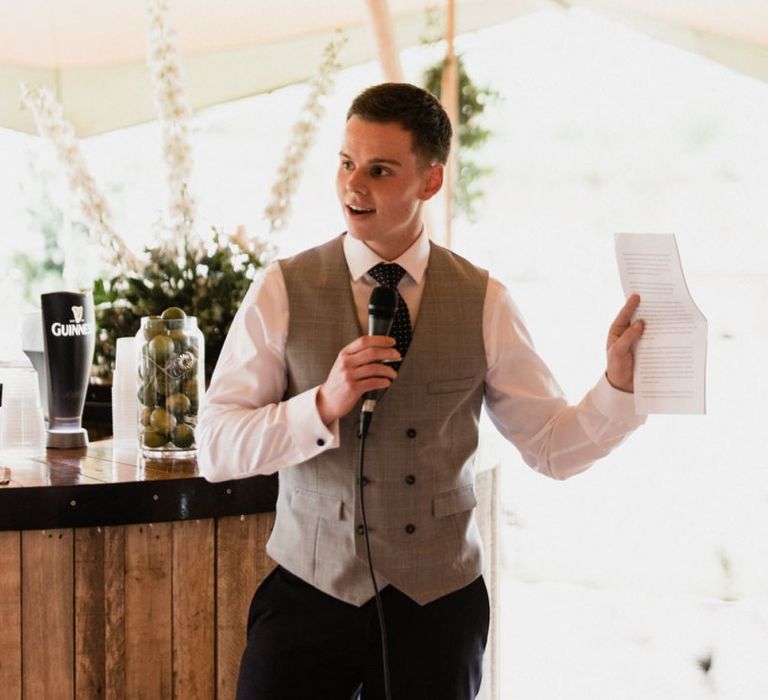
360, 258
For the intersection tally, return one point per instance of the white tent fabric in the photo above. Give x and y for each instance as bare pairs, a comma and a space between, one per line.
91, 53
731, 32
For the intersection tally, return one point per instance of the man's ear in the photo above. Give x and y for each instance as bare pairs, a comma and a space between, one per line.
433, 182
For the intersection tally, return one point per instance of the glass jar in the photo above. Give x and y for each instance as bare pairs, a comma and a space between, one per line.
171, 382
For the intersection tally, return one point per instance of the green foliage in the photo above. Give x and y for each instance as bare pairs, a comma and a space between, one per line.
473, 99
207, 283
471, 135
37, 255
42, 270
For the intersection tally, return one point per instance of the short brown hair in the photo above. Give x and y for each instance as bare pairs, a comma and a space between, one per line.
413, 108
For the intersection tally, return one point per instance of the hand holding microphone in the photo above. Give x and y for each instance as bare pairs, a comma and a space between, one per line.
359, 367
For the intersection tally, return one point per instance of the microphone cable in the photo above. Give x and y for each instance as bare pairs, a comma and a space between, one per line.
364, 424
381, 313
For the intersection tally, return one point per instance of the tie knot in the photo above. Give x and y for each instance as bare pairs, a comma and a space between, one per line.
387, 274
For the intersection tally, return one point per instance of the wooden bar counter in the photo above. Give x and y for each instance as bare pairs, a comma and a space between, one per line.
126, 580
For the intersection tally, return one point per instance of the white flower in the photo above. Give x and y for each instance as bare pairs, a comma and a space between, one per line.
240, 238
49, 118
288, 174
173, 112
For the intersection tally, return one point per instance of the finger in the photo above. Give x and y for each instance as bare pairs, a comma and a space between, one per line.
369, 355
368, 341
372, 370
372, 384
624, 342
624, 317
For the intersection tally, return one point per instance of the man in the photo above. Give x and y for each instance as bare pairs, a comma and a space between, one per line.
285, 398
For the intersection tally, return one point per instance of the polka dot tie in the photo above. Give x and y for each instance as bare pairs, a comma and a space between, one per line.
389, 275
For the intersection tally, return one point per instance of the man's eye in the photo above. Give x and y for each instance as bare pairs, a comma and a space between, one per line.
378, 171
346, 164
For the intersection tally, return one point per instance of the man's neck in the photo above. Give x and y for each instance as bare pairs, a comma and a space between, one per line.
392, 251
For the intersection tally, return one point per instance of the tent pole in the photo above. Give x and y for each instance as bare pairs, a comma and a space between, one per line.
381, 24
449, 91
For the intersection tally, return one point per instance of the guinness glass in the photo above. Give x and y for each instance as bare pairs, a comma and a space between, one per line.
69, 335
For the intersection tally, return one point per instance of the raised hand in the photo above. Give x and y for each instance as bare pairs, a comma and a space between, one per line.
622, 334
358, 368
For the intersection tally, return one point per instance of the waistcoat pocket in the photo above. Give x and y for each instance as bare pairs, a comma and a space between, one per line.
319, 504
447, 386
455, 501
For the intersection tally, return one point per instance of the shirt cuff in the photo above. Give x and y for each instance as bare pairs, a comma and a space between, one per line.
309, 434
616, 405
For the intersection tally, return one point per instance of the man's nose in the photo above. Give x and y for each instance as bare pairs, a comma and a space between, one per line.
356, 182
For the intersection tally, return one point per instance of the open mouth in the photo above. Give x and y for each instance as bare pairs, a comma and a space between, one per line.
357, 212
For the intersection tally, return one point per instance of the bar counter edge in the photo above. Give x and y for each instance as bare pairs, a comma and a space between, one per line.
154, 497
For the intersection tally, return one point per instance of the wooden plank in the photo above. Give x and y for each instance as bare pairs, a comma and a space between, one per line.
10, 615
241, 565
148, 605
193, 610
90, 622
114, 612
47, 614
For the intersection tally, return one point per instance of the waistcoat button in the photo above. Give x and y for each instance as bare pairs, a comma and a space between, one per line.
410, 529
411, 432
365, 480
410, 480
360, 530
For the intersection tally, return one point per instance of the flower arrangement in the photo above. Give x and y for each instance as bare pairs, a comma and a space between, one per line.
207, 282
206, 278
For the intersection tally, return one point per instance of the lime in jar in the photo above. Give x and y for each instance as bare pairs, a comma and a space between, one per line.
171, 381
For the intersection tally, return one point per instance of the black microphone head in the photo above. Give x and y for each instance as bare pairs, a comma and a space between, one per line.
383, 303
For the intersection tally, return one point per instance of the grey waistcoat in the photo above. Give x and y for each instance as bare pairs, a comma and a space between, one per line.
419, 499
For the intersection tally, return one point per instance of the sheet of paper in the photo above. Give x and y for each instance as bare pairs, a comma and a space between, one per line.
671, 356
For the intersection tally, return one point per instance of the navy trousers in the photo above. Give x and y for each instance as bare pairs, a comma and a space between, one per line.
306, 645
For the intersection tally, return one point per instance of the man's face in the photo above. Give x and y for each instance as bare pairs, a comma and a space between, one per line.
381, 185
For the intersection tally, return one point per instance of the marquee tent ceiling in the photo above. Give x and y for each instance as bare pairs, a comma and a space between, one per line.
732, 32
92, 52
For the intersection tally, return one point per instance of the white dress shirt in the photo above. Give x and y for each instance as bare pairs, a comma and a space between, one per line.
246, 428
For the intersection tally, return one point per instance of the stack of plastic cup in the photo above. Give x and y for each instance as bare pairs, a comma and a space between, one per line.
22, 428
125, 403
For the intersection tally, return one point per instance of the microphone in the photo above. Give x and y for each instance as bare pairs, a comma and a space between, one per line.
382, 307
381, 313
